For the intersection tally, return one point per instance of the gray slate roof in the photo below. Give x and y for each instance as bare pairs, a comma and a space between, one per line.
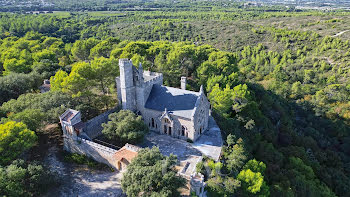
177, 101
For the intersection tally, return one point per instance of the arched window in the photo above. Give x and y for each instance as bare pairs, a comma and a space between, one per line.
166, 120
183, 130
152, 122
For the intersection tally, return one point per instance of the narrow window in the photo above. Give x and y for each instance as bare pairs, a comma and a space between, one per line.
152, 122
183, 129
165, 129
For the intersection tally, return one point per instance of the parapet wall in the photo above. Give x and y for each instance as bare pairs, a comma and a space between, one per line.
158, 78
93, 127
147, 85
91, 149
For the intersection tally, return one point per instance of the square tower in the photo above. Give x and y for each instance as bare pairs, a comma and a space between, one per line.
127, 86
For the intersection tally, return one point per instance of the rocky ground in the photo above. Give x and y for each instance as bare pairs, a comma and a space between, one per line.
78, 180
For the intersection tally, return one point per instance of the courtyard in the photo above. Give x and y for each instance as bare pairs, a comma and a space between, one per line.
188, 154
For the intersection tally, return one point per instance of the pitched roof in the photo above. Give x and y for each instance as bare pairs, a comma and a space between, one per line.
45, 87
68, 115
178, 102
125, 153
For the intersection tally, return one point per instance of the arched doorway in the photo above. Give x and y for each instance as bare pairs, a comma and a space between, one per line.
167, 126
119, 166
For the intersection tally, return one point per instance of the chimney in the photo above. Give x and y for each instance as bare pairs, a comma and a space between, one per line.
183, 83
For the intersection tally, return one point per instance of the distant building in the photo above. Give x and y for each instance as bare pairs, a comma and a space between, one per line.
45, 87
176, 112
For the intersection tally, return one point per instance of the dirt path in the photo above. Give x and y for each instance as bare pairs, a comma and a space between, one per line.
80, 181
340, 33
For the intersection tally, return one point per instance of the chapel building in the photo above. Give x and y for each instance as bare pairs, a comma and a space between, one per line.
179, 113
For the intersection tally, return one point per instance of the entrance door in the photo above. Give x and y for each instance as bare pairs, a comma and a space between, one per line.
165, 130
169, 131
119, 166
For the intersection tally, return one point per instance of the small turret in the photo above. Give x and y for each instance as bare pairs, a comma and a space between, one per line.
201, 91
197, 184
183, 83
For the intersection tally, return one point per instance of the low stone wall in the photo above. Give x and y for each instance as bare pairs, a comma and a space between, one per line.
93, 127
91, 149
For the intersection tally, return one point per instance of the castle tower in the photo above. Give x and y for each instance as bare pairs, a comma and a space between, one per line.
127, 86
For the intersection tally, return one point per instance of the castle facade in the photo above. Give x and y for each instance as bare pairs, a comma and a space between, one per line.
171, 111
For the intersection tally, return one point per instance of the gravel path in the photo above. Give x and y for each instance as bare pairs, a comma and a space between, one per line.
340, 33
79, 181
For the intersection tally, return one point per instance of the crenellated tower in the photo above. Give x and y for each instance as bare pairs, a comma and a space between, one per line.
127, 86
134, 85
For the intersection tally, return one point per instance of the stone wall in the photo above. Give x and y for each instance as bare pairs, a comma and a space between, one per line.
91, 149
93, 127
201, 116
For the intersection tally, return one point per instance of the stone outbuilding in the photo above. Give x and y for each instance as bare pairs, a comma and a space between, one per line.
179, 113
197, 184
125, 155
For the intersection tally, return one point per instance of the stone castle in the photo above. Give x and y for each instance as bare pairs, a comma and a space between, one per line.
170, 111
176, 112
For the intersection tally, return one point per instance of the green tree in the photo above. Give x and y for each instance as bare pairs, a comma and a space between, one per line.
253, 182
235, 154
15, 84
15, 138
57, 80
17, 66
81, 48
104, 72
152, 174
21, 179
221, 100
125, 126
252, 178
77, 83
30, 117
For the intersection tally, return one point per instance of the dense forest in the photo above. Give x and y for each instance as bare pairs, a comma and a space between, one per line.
278, 83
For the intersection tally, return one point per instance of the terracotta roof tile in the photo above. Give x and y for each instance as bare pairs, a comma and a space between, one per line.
125, 153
